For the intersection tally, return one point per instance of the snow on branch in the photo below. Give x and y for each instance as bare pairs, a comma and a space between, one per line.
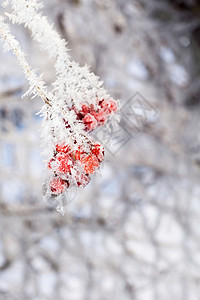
73, 81
37, 85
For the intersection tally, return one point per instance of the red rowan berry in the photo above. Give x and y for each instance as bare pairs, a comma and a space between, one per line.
100, 117
76, 155
90, 122
63, 163
62, 148
84, 109
50, 163
98, 151
83, 180
58, 186
90, 163
109, 106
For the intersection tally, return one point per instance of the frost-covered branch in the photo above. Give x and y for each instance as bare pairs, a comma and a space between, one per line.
37, 85
74, 83
78, 104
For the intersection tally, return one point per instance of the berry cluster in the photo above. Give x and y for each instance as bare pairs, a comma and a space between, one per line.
73, 168
92, 117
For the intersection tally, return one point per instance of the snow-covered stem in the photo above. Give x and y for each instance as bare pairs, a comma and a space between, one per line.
74, 83
37, 85
26, 12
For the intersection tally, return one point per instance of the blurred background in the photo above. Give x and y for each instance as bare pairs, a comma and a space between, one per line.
133, 233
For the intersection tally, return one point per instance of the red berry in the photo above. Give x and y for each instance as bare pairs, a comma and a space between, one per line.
58, 186
92, 110
83, 180
50, 163
63, 163
62, 148
81, 113
76, 155
90, 122
101, 117
90, 163
109, 106
113, 105
84, 109
98, 151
